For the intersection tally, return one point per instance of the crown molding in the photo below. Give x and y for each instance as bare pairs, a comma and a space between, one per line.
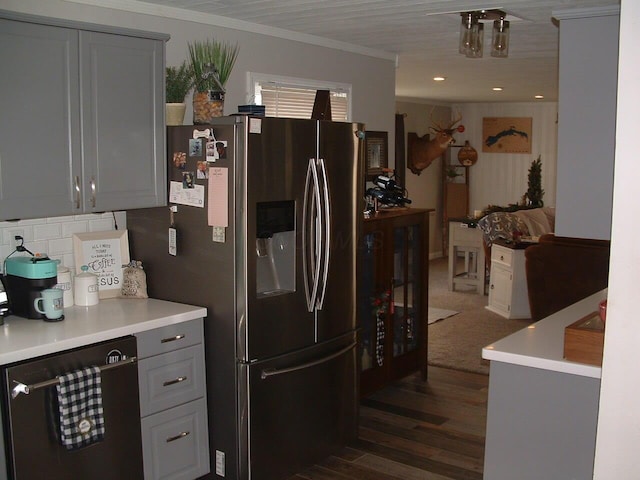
574, 13
226, 22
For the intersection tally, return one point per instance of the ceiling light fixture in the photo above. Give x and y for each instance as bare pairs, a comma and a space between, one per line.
497, 89
438, 79
472, 33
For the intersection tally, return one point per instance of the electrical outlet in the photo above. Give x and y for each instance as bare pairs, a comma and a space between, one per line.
219, 463
13, 233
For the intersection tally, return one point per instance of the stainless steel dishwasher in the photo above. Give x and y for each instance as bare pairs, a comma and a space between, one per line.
32, 424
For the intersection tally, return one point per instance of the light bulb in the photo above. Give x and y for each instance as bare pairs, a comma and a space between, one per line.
500, 39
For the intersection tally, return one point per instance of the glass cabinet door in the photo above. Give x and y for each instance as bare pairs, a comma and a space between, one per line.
372, 305
406, 289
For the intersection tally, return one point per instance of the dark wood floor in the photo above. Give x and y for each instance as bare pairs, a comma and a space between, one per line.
415, 430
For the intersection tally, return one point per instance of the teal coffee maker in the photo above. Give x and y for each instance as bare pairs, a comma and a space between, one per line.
25, 277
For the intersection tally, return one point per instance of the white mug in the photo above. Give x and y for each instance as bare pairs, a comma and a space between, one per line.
50, 303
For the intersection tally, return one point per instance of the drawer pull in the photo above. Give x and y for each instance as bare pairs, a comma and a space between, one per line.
172, 339
174, 381
501, 258
177, 437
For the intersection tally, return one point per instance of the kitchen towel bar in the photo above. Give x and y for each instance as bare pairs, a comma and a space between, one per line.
26, 389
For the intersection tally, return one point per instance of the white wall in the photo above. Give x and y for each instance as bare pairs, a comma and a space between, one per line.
501, 178
425, 190
619, 419
496, 178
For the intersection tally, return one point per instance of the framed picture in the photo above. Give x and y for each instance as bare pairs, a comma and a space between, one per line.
506, 135
377, 153
104, 253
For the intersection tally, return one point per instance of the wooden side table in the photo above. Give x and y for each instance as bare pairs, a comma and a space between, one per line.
466, 239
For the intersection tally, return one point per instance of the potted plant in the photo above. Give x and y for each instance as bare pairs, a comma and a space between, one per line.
211, 65
178, 82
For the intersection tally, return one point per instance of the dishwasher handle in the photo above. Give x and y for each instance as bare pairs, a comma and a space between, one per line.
26, 389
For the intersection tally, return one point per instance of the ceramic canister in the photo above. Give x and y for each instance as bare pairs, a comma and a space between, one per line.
64, 284
85, 288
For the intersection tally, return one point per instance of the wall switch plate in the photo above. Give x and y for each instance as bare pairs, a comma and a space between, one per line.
220, 463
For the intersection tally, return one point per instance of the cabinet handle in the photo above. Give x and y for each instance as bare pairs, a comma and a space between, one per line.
177, 437
501, 258
77, 188
93, 192
172, 339
491, 286
174, 381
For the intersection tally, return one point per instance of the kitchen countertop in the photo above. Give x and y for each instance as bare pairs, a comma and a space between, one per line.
22, 339
541, 345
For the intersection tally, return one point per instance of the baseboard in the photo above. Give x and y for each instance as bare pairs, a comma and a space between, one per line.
434, 255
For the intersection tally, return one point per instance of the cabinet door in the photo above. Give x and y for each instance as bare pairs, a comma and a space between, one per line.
500, 289
123, 127
373, 294
39, 124
406, 310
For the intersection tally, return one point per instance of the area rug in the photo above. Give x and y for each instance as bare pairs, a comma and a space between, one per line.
436, 314
457, 342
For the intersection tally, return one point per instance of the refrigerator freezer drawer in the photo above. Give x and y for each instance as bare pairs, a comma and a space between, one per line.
301, 408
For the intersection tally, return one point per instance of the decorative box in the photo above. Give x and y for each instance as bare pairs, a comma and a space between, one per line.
584, 340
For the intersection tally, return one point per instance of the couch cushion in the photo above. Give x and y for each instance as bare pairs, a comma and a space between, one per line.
536, 220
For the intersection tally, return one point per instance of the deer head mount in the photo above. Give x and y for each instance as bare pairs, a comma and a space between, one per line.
423, 151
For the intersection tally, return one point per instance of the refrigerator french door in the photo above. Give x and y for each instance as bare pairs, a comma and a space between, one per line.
280, 333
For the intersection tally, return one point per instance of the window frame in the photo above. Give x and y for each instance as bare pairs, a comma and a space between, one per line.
255, 78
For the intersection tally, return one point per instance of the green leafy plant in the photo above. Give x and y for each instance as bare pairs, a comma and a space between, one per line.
535, 191
178, 82
211, 64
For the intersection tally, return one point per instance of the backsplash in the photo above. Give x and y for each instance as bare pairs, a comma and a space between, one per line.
53, 235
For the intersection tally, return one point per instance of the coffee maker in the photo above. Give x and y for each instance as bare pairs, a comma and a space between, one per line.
4, 302
25, 277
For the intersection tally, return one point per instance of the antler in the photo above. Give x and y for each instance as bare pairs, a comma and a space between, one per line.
455, 121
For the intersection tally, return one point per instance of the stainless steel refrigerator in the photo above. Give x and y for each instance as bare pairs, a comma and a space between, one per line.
278, 281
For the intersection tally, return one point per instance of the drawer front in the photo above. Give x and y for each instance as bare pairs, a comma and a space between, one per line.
465, 234
169, 338
176, 443
502, 256
171, 379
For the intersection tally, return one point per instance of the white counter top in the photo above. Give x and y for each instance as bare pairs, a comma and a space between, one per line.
22, 338
541, 345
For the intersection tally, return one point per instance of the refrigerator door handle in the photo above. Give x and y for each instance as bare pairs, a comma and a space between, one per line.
270, 372
309, 252
325, 219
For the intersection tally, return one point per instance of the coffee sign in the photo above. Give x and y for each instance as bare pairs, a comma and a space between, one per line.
104, 253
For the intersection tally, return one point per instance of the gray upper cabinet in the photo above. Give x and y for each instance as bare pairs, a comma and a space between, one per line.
83, 129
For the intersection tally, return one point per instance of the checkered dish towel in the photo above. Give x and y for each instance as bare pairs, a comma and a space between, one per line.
80, 408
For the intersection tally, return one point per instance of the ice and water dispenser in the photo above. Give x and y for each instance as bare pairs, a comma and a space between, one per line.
275, 248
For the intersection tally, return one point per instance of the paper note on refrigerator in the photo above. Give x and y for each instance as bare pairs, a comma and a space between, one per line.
193, 197
218, 196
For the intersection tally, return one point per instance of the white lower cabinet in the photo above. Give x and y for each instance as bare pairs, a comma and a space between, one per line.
173, 405
508, 294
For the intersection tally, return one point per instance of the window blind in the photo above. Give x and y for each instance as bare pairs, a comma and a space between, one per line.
297, 102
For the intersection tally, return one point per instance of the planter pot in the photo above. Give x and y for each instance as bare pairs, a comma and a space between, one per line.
206, 106
174, 113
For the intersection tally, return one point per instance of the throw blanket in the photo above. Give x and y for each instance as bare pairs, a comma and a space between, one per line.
80, 408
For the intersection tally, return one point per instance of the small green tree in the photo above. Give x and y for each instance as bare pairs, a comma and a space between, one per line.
535, 191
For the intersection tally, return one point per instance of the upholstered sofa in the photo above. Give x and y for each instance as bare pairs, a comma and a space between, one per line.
562, 270
532, 222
